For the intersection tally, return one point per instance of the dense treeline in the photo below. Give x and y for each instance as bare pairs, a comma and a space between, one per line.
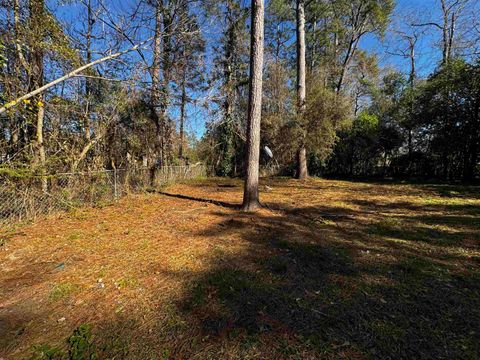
362, 119
430, 131
129, 110
359, 116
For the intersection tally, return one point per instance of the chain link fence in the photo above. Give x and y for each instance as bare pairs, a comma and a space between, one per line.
24, 199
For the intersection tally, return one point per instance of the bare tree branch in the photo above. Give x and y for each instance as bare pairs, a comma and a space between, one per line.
68, 76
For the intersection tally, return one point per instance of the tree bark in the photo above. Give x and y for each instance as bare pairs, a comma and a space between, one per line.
182, 114
450, 11
41, 147
155, 73
168, 15
84, 151
445, 32
302, 169
251, 200
352, 49
229, 88
37, 14
88, 89
413, 73
20, 67
18, 46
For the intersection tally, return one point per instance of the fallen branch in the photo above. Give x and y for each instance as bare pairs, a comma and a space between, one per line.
68, 76
97, 77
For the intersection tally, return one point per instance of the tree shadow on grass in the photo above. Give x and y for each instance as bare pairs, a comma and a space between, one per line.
463, 209
201, 200
446, 225
294, 281
307, 282
321, 282
454, 191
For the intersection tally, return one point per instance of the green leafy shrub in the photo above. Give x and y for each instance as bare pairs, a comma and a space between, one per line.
81, 345
46, 352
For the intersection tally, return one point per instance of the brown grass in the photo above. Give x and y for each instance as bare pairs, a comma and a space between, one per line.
328, 269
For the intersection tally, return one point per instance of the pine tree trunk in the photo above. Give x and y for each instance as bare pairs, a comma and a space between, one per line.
251, 197
302, 169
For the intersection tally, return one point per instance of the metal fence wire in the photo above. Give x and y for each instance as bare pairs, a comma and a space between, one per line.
24, 199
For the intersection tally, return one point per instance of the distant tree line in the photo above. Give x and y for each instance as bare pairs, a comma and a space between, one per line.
430, 131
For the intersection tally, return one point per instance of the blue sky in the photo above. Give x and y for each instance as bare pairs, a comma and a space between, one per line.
428, 55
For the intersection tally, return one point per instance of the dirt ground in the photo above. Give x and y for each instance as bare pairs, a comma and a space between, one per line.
327, 270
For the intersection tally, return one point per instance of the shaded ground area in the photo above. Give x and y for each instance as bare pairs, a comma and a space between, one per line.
328, 270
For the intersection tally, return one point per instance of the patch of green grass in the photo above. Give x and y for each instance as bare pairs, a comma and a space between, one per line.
459, 202
172, 321
165, 354
469, 347
450, 191
385, 227
413, 231
227, 284
61, 291
231, 297
126, 282
319, 221
285, 349
73, 236
386, 330
144, 244
279, 265
79, 213
102, 272
281, 243
115, 347
417, 268
449, 220
275, 264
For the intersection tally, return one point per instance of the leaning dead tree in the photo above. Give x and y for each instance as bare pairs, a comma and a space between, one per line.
67, 76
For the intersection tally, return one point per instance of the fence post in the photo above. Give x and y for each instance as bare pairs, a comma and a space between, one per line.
115, 184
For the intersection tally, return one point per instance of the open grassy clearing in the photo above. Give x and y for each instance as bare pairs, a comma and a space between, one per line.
330, 270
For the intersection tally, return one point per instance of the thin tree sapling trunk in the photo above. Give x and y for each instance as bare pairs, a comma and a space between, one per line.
182, 114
